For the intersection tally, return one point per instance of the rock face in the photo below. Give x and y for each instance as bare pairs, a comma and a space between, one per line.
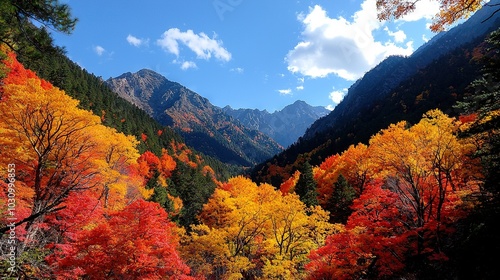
204, 126
284, 126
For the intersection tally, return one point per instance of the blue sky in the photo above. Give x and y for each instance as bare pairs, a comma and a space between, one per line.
242, 53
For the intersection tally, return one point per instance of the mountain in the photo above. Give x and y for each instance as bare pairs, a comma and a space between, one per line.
285, 126
399, 88
204, 126
380, 81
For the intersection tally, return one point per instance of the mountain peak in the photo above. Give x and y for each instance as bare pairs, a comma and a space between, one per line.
285, 125
204, 126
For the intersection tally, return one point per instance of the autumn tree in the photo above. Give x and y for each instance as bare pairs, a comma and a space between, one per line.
426, 165
250, 231
372, 242
450, 10
59, 150
138, 242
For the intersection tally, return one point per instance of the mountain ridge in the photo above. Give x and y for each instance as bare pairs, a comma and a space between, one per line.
285, 125
398, 88
204, 126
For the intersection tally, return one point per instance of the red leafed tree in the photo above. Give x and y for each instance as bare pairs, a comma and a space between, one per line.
373, 241
379, 211
342, 257
138, 242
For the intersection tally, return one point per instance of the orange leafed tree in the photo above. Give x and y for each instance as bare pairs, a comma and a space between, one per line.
59, 150
419, 185
450, 10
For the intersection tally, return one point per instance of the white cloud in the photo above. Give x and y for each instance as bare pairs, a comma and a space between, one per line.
188, 64
99, 50
339, 46
285, 91
337, 95
300, 87
203, 46
399, 36
425, 9
136, 42
237, 70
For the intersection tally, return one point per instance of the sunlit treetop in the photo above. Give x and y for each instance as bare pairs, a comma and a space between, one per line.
450, 10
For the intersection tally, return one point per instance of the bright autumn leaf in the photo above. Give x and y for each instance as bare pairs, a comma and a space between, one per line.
138, 242
59, 151
427, 166
450, 10
254, 230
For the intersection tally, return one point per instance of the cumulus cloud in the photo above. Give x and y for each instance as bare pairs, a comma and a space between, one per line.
399, 36
424, 9
188, 64
285, 91
346, 48
136, 42
99, 50
337, 95
203, 46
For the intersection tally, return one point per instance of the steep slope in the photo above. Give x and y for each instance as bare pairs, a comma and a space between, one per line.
399, 88
285, 126
381, 80
204, 126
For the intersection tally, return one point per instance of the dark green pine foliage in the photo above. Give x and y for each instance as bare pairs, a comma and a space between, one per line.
485, 101
340, 201
193, 188
306, 186
18, 32
477, 254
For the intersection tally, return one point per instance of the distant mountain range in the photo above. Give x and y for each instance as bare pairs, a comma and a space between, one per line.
243, 137
285, 126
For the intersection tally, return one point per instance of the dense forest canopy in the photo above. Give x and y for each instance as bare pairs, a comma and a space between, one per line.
92, 188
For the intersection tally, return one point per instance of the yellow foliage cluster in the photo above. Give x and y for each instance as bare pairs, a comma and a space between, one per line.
249, 230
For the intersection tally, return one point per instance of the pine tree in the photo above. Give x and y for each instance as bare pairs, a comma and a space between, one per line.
340, 201
306, 186
485, 102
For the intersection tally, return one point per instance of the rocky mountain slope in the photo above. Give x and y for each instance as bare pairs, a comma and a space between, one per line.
204, 126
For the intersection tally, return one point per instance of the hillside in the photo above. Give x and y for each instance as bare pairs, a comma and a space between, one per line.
204, 126
285, 125
399, 88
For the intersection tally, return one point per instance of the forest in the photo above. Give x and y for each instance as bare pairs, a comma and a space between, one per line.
94, 189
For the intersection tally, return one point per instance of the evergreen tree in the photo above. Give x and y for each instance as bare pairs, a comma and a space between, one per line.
306, 186
340, 201
485, 102
18, 32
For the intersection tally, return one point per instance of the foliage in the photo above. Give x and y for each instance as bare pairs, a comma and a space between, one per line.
18, 31
420, 185
74, 178
137, 242
306, 186
450, 11
250, 231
